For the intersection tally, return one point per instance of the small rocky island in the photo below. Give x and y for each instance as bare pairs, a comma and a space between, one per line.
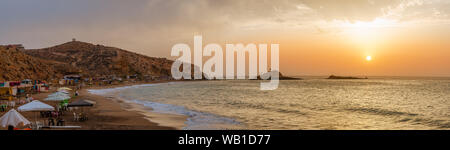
344, 77
281, 77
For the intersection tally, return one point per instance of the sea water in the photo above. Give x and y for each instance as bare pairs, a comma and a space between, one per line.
383, 103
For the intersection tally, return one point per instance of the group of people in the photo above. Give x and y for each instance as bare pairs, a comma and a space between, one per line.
52, 118
59, 122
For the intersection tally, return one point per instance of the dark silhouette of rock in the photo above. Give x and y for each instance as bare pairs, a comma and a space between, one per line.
344, 77
280, 76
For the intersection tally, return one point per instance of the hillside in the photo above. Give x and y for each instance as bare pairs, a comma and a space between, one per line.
15, 65
98, 60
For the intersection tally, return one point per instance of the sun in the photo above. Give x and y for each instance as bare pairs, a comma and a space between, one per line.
369, 58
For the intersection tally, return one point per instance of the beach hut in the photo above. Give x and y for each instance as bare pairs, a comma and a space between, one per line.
4, 91
14, 91
13, 118
14, 83
27, 82
43, 88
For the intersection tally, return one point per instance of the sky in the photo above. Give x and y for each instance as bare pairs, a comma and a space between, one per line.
316, 37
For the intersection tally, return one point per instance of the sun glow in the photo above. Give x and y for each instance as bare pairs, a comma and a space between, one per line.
369, 58
377, 23
363, 32
367, 36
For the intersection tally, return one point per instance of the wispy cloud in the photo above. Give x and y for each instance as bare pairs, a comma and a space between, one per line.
146, 23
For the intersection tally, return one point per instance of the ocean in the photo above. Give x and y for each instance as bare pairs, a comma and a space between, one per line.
372, 104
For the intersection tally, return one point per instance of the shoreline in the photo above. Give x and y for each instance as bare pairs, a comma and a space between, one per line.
110, 112
139, 112
182, 119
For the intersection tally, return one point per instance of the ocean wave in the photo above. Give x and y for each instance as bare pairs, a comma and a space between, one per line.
410, 117
196, 120
116, 89
383, 112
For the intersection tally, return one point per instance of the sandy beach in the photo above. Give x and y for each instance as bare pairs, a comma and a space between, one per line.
112, 113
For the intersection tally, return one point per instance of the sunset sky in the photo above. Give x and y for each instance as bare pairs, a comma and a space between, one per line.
316, 37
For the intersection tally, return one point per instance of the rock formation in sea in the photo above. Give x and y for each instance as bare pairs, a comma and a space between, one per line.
280, 76
344, 77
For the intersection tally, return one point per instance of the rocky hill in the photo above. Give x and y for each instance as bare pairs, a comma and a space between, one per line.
15, 66
98, 60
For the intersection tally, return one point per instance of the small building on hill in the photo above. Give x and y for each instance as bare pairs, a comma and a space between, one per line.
71, 79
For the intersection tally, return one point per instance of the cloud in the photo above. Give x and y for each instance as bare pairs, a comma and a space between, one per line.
351, 10
148, 24
419, 11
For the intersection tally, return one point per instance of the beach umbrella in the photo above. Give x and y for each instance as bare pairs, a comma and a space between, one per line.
65, 88
57, 96
80, 103
36, 105
13, 118
63, 91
